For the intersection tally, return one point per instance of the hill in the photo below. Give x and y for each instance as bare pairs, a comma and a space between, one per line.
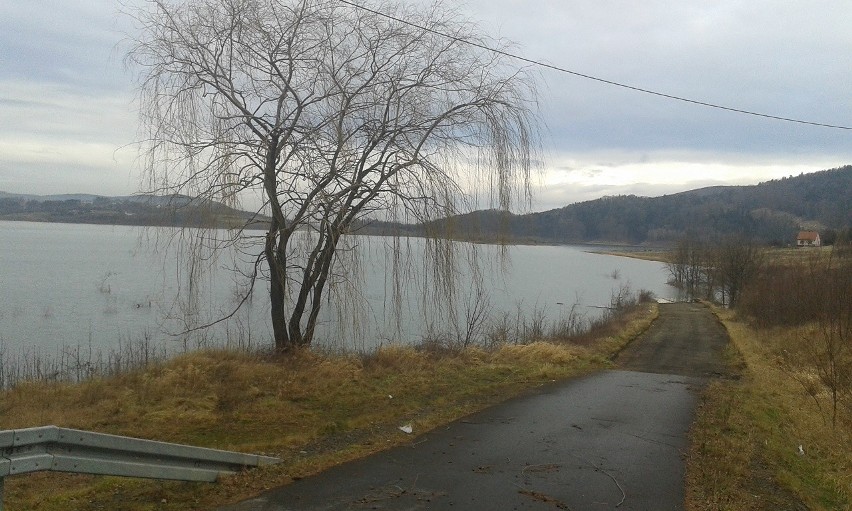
771, 212
173, 210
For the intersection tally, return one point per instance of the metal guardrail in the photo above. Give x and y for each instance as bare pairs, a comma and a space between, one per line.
51, 448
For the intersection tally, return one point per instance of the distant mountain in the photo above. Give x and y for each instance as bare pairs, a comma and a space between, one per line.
82, 197
158, 210
771, 212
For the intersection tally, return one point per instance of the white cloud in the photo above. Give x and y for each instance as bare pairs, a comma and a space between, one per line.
575, 179
45, 110
64, 152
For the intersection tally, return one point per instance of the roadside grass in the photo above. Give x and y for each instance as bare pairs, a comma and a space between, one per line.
744, 452
312, 410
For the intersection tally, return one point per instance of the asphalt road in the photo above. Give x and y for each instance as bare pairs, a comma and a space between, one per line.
686, 340
611, 440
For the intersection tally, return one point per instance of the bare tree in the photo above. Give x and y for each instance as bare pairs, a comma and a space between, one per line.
689, 265
828, 351
736, 262
819, 356
722, 269
331, 114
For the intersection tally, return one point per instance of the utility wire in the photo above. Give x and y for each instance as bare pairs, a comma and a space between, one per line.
590, 77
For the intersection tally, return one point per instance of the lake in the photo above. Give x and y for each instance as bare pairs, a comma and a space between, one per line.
97, 287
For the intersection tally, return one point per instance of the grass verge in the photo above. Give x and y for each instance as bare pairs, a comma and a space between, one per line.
311, 410
744, 452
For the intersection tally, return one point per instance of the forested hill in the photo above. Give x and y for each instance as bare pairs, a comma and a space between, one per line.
772, 212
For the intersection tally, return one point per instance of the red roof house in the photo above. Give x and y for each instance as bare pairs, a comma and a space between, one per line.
808, 239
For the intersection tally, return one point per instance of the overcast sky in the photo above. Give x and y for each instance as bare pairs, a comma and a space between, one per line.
68, 116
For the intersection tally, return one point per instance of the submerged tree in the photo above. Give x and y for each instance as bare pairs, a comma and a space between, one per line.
735, 263
331, 114
689, 266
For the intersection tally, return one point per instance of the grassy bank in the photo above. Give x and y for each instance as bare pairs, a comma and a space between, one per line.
745, 442
662, 256
311, 410
785, 256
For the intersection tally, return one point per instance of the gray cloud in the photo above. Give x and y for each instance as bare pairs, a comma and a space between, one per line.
65, 92
785, 59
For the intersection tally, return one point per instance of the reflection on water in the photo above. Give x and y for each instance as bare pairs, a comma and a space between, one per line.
99, 286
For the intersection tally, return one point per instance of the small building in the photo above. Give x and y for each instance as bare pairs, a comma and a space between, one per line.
808, 239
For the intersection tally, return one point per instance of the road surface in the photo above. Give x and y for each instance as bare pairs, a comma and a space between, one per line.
611, 440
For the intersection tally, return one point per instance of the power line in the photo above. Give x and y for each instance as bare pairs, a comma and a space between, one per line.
593, 78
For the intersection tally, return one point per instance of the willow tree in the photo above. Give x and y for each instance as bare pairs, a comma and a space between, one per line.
332, 114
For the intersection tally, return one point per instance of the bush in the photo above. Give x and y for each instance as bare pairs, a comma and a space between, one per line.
812, 299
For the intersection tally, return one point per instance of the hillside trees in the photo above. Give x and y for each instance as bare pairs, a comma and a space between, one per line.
331, 114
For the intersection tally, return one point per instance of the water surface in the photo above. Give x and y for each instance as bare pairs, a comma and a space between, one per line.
97, 286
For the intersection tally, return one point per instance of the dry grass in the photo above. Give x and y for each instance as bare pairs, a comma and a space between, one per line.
744, 453
798, 256
309, 409
784, 256
611, 337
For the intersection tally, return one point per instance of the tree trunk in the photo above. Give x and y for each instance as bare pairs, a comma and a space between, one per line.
278, 315
277, 292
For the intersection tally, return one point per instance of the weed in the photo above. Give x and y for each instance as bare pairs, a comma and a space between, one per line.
310, 409
744, 451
